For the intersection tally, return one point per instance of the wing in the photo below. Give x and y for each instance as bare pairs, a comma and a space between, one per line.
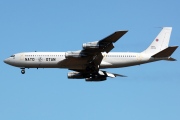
99, 76
90, 57
106, 44
94, 49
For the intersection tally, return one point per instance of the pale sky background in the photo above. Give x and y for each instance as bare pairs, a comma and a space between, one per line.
150, 92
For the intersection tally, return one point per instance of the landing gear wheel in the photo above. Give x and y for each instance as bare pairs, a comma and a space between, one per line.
23, 71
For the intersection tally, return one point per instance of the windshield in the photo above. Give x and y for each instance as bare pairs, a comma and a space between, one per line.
12, 56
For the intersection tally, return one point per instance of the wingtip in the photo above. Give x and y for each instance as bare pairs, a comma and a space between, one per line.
122, 31
120, 75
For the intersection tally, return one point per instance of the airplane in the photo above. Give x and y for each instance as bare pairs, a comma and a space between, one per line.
88, 63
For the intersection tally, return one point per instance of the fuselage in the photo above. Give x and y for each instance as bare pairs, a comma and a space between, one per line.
94, 56
56, 60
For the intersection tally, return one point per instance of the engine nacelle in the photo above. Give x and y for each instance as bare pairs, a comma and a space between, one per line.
91, 45
75, 75
99, 78
74, 54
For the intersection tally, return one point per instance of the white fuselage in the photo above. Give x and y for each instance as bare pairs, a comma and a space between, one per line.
94, 56
55, 60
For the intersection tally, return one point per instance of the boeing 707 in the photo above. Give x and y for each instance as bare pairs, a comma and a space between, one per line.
89, 62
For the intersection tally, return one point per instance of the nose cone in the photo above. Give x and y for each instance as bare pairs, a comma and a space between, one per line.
6, 61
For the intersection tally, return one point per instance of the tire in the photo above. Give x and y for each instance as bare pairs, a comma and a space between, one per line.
23, 71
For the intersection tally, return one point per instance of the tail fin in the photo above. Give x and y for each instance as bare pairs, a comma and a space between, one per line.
160, 42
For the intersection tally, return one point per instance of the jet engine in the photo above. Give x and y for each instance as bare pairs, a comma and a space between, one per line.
74, 54
91, 45
96, 79
75, 75
78, 75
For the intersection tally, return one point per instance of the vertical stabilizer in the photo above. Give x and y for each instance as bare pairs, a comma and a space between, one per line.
161, 42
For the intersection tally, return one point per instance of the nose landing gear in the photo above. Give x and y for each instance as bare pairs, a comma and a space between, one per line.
23, 70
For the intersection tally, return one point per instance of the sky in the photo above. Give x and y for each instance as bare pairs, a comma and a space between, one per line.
151, 91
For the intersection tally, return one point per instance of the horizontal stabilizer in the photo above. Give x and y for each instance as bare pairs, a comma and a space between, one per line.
171, 59
166, 52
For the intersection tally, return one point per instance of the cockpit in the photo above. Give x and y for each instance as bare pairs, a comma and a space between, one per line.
12, 56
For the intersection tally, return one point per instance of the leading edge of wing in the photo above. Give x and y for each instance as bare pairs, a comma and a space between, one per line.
114, 36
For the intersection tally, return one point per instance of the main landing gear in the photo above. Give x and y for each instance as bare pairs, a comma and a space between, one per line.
92, 68
23, 70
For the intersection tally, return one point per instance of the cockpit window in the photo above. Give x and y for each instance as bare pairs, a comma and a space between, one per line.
12, 56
